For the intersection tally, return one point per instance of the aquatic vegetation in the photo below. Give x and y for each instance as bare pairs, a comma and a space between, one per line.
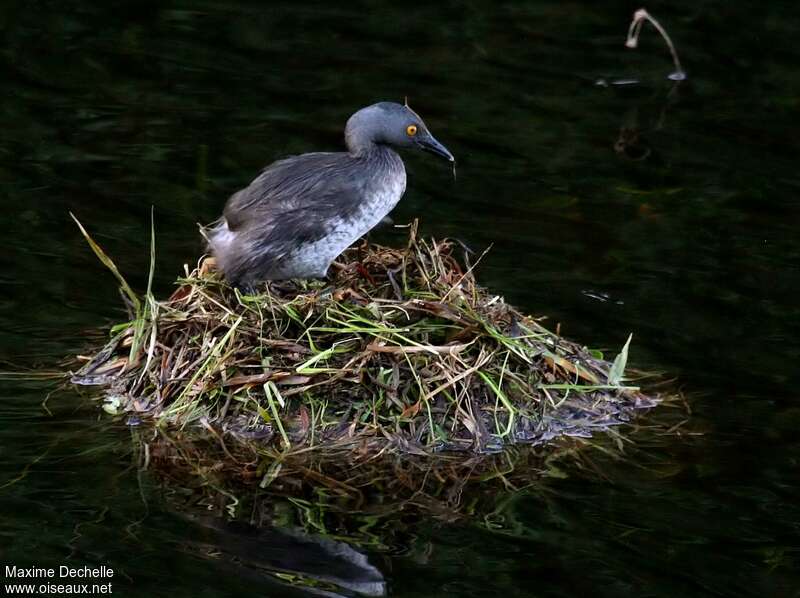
401, 349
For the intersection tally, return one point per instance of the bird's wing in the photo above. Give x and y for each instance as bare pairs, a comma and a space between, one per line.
293, 201
290, 185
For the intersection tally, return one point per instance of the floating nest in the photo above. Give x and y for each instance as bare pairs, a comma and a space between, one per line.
399, 350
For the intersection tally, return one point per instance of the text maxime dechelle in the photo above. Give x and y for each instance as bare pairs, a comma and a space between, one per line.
48, 577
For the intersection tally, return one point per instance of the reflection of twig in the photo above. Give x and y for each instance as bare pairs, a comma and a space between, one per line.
639, 17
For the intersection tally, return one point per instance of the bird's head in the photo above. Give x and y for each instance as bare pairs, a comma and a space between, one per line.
389, 123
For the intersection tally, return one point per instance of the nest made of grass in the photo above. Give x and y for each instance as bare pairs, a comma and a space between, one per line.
400, 349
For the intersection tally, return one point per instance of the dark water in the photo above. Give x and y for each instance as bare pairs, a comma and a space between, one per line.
685, 236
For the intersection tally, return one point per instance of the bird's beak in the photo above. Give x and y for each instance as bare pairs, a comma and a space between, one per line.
429, 144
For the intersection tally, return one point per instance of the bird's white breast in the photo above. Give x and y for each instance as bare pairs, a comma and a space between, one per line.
381, 198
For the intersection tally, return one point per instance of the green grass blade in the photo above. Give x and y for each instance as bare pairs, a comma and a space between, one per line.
109, 263
152, 254
503, 399
618, 367
273, 395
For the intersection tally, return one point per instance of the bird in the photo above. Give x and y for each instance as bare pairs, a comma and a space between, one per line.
296, 217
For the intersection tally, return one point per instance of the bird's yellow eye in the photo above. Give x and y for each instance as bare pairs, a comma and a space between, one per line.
411, 130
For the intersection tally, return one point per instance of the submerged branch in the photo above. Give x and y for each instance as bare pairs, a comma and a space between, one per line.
639, 18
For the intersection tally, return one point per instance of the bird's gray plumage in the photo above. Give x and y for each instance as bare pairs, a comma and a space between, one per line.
301, 212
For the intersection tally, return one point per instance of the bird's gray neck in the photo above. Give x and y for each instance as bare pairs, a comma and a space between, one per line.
377, 154
359, 144
361, 134
384, 166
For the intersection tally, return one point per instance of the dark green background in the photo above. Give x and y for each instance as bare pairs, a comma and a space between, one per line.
108, 109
